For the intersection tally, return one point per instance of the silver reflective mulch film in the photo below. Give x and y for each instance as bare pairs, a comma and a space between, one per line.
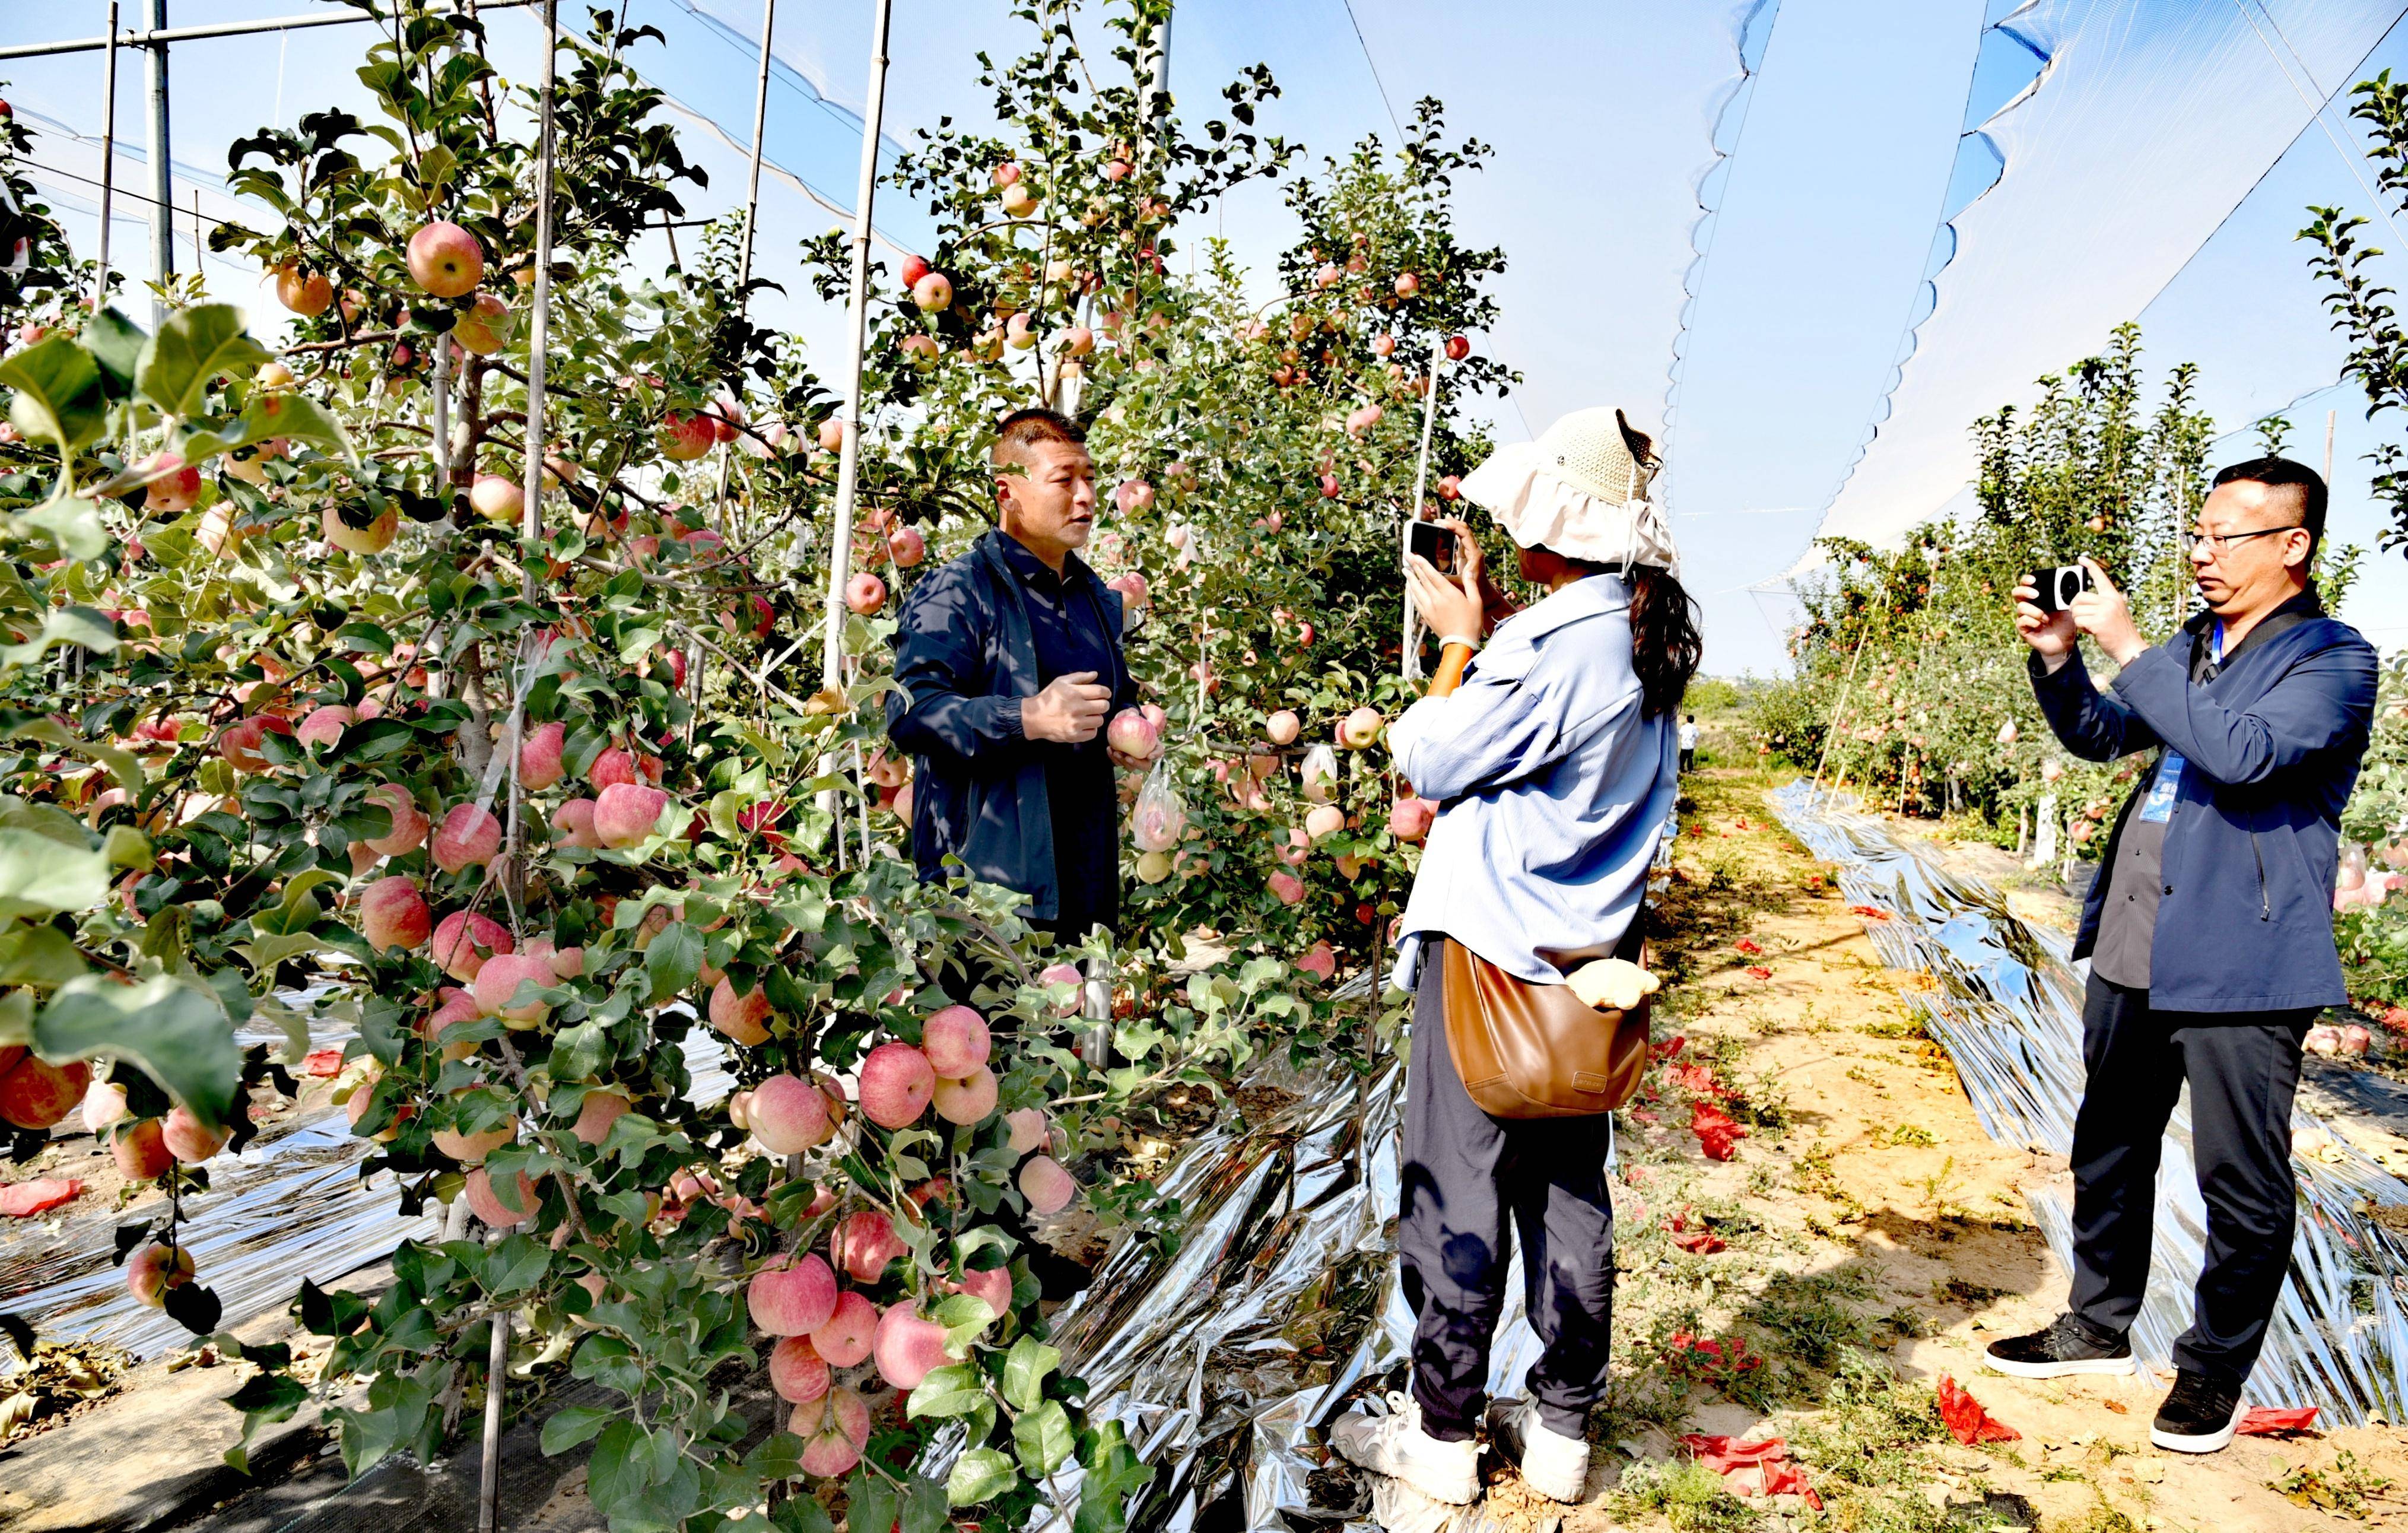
2006, 1003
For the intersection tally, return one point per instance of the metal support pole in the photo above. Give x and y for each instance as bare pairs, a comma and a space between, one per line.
847, 471
200, 237
1410, 654
107, 154
163, 175
497, 1374
760, 121
539, 318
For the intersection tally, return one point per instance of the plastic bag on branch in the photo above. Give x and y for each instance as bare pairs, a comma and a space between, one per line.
1160, 818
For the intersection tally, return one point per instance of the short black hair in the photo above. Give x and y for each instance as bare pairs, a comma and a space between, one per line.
2283, 474
1025, 428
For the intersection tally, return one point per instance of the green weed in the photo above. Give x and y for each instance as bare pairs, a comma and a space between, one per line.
1688, 1496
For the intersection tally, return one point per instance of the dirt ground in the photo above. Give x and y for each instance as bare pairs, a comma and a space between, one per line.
1866, 1239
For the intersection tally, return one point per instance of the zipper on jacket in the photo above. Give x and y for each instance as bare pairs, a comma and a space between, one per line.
2265, 907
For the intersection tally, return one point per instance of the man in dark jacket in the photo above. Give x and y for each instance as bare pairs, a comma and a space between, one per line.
1008, 662
2209, 929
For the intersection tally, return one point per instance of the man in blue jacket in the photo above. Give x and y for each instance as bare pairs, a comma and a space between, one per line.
1008, 663
2209, 929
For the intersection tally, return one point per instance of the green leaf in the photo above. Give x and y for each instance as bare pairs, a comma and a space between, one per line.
674, 959
176, 1033
39, 876
965, 1317
1043, 1438
192, 348
980, 1475
59, 397
1024, 1369
872, 1502
953, 1390
39, 955
64, 626
71, 522
572, 1425
116, 343
269, 416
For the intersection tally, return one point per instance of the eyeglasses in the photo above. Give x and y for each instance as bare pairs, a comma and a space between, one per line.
2217, 541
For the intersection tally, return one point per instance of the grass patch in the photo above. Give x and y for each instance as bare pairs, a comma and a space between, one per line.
1688, 1496
1812, 1320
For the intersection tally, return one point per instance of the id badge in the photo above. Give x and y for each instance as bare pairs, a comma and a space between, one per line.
2159, 806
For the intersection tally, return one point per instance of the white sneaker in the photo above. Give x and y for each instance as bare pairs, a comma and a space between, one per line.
1552, 1464
1396, 1445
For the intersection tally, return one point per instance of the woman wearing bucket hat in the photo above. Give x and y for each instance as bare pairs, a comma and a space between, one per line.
1552, 752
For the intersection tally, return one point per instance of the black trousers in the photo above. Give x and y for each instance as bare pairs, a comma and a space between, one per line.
2243, 1069
1465, 1172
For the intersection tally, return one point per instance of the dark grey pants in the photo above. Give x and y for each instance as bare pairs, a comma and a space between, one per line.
2243, 1069
1464, 1173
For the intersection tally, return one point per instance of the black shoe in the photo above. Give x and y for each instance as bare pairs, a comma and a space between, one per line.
2198, 1417
2064, 1348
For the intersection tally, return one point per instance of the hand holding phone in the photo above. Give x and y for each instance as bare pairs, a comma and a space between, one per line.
1431, 542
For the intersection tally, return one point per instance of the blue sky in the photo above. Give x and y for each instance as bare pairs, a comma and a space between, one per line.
2159, 170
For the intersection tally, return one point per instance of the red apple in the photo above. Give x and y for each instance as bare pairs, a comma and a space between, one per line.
572, 824
866, 594
488, 1207
240, 743
907, 547
895, 1085
462, 943
1458, 348
306, 294
792, 1296
914, 267
908, 1348
150, 1271
745, 1018
1360, 728
965, 1099
496, 498
788, 1114
1132, 734
834, 1428
932, 293
446, 260
865, 1244
956, 1041
466, 836
1410, 818
1047, 1186
626, 814
409, 827
485, 328
849, 1333
499, 980
540, 755
188, 1138
140, 1151
394, 914
686, 437
797, 1371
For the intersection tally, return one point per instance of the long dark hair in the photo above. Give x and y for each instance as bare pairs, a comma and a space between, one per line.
1665, 644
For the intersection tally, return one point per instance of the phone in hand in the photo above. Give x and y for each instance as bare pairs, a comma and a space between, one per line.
1432, 542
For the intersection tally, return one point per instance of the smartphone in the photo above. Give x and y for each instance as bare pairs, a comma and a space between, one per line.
1432, 542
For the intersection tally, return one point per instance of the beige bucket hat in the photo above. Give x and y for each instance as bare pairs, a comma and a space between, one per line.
1580, 489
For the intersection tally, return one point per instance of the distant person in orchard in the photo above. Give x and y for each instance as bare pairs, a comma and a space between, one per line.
1007, 664
1548, 740
1688, 742
2209, 928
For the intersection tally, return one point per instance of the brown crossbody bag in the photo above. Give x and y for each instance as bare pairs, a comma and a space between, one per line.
1536, 1050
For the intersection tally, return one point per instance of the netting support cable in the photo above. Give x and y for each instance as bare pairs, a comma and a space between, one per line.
159, 33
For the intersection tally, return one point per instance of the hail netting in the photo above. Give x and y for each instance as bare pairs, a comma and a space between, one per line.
2006, 1003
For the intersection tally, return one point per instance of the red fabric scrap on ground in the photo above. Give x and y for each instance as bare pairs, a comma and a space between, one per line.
1776, 1474
1696, 1077
1871, 913
1670, 1047
2274, 1421
1693, 1235
1641, 1115
24, 1199
1965, 1419
324, 1061
1748, 946
1758, 971
1718, 1133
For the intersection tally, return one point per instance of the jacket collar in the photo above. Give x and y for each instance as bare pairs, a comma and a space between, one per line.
1025, 567
2306, 607
1593, 595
